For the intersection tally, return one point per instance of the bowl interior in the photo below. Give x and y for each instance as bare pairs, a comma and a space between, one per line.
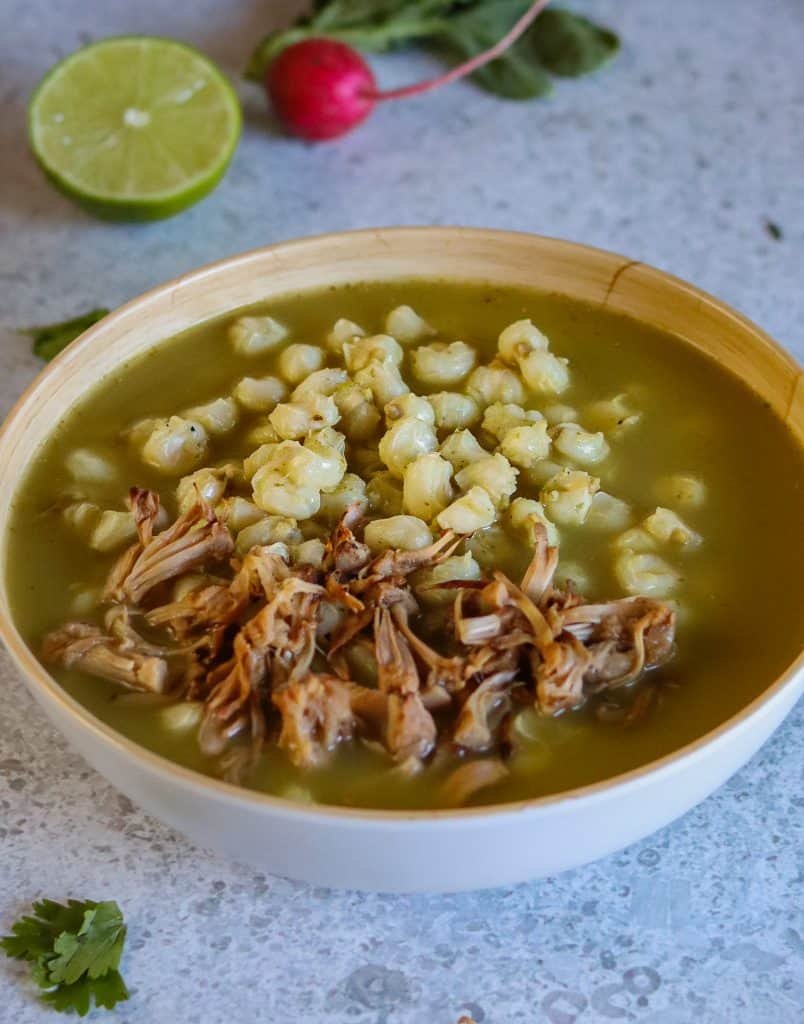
593, 276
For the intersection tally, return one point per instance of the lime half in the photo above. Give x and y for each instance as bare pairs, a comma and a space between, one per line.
135, 127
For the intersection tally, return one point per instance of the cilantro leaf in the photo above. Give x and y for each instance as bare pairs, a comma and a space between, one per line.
95, 949
77, 997
35, 935
109, 989
50, 339
75, 950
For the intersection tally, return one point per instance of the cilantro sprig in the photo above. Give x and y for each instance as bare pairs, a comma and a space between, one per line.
74, 950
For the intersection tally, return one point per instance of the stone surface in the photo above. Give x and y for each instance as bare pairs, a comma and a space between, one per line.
682, 154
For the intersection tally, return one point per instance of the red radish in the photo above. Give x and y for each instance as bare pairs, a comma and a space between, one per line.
321, 88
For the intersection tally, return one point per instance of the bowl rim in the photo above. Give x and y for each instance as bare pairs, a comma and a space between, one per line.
49, 691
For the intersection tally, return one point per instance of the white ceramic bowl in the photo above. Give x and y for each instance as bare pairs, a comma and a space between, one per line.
402, 851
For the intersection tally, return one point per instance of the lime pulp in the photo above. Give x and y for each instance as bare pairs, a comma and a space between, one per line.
135, 127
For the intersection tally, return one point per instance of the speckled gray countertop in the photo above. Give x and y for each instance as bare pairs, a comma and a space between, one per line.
682, 154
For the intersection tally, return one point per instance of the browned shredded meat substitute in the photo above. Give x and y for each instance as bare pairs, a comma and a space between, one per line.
269, 648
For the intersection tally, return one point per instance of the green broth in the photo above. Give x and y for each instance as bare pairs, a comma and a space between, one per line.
736, 635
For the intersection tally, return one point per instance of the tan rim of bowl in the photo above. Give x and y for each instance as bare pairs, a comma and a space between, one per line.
613, 281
